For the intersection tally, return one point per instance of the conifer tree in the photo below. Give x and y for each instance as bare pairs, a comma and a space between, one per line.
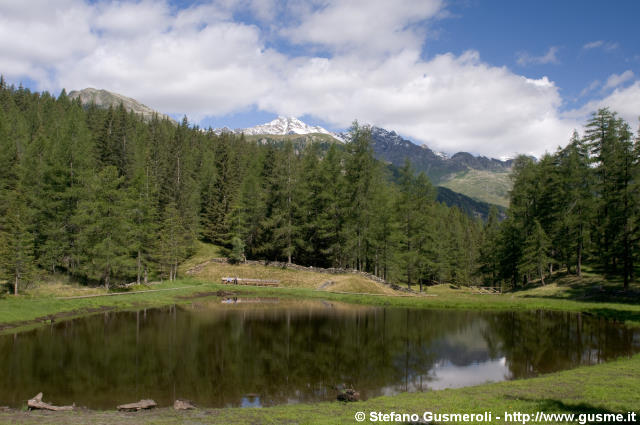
575, 201
489, 260
16, 239
103, 222
359, 175
535, 252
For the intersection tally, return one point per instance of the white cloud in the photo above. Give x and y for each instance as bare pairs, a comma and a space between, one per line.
624, 101
127, 20
365, 26
201, 62
616, 80
606, 45
524, 58
451, 102
39, 38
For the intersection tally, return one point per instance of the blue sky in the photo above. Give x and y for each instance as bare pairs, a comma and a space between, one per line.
489, 77
500, 30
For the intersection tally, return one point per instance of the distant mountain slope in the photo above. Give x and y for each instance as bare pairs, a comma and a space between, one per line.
104, 99
468, 205
481, 178
472, 207
488, 186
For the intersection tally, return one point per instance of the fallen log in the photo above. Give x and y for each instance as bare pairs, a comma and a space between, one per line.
183, 405
37, 403
140, 405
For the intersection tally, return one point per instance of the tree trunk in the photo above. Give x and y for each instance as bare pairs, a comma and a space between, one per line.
139, 267
579, 262
15, 285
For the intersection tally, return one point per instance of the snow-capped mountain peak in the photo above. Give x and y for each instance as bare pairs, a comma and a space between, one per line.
282, 126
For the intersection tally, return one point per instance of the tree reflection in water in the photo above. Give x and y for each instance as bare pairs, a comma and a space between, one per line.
250, 355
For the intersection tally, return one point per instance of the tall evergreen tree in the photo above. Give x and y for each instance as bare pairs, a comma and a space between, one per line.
16, 239
535, 252
104, 221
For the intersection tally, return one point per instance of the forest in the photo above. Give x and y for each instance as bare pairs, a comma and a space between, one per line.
109, 198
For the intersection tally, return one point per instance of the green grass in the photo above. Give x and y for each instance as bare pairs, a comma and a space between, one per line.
486, 186
203, 252
291, 278
28, 310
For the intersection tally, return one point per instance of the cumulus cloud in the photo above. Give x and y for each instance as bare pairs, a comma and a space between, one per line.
524, 58
203, 61
451, 102
365, 26
42, 37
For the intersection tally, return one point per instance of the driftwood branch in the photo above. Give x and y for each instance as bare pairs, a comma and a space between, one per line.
140, 405
37, 403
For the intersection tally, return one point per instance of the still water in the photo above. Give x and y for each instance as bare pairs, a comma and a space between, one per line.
263, 352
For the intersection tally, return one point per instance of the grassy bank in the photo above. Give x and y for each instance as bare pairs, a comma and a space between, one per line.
42, 305
605, 388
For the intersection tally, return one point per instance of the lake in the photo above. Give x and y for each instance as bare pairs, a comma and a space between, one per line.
267, 351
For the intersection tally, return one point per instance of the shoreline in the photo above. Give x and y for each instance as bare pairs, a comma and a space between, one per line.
25, 312
611, 387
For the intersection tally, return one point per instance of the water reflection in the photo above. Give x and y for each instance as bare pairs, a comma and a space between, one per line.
260, 354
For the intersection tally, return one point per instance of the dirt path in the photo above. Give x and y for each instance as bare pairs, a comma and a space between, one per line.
124, 293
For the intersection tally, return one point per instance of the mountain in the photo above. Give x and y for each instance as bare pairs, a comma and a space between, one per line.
105, 99
478, 177
470, 206
281, 126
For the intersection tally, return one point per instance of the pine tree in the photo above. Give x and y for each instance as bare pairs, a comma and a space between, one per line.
16, 239
360, 174
103, 222
575, 201
489, 260
610, 142
174, 241
331, 221
284, 200
415, 197
535, 253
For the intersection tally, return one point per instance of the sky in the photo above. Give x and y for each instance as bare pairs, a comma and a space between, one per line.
496, 78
